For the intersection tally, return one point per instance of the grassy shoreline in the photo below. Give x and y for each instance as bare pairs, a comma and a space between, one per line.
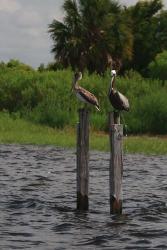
19, 131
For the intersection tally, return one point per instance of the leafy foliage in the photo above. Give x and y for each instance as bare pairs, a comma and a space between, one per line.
158, 67
96, 34
148, 32
91, 32
46, 98
16, 64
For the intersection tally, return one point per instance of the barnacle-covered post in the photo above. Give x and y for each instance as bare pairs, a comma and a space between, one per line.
82, 160
116, 163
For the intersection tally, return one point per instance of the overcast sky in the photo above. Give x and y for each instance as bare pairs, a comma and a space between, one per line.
23, 29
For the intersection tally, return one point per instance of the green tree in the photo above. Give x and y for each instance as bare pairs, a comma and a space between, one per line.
91, 33
158, 67
2, 65
41, 67
53, 66
161, 34
16, 64
147, 32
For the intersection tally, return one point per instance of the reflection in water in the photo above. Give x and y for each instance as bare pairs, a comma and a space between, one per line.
38, 202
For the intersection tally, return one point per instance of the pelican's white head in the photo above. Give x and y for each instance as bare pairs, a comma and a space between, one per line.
78, 76
113, 72
113, 75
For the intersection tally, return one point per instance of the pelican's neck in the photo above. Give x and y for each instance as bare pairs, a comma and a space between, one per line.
112, 84
75, 84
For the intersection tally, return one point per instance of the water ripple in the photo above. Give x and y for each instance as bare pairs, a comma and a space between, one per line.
38, 202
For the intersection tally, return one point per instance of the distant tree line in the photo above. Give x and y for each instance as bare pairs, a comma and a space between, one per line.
157, 69
97, 34
15, 64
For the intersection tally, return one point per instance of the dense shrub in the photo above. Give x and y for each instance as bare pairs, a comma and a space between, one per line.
16, 64
158, 67
46, 97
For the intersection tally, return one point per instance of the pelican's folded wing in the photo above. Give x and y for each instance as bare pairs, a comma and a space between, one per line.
89, 97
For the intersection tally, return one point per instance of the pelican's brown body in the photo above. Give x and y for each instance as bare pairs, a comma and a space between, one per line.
118, 100
83, 94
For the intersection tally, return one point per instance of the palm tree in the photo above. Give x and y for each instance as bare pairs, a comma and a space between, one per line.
67, 36
92, 32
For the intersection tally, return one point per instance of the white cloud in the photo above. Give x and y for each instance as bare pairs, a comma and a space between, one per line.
28, 18
9, 5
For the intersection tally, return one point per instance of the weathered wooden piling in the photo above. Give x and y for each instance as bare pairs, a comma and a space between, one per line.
116, 163
82, 160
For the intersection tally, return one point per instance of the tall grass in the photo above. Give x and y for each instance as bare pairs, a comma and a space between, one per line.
46, 98
19, 131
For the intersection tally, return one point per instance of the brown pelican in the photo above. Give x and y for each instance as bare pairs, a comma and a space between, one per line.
118, 100
83, 94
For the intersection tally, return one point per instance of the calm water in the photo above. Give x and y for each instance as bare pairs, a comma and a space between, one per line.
38, 201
